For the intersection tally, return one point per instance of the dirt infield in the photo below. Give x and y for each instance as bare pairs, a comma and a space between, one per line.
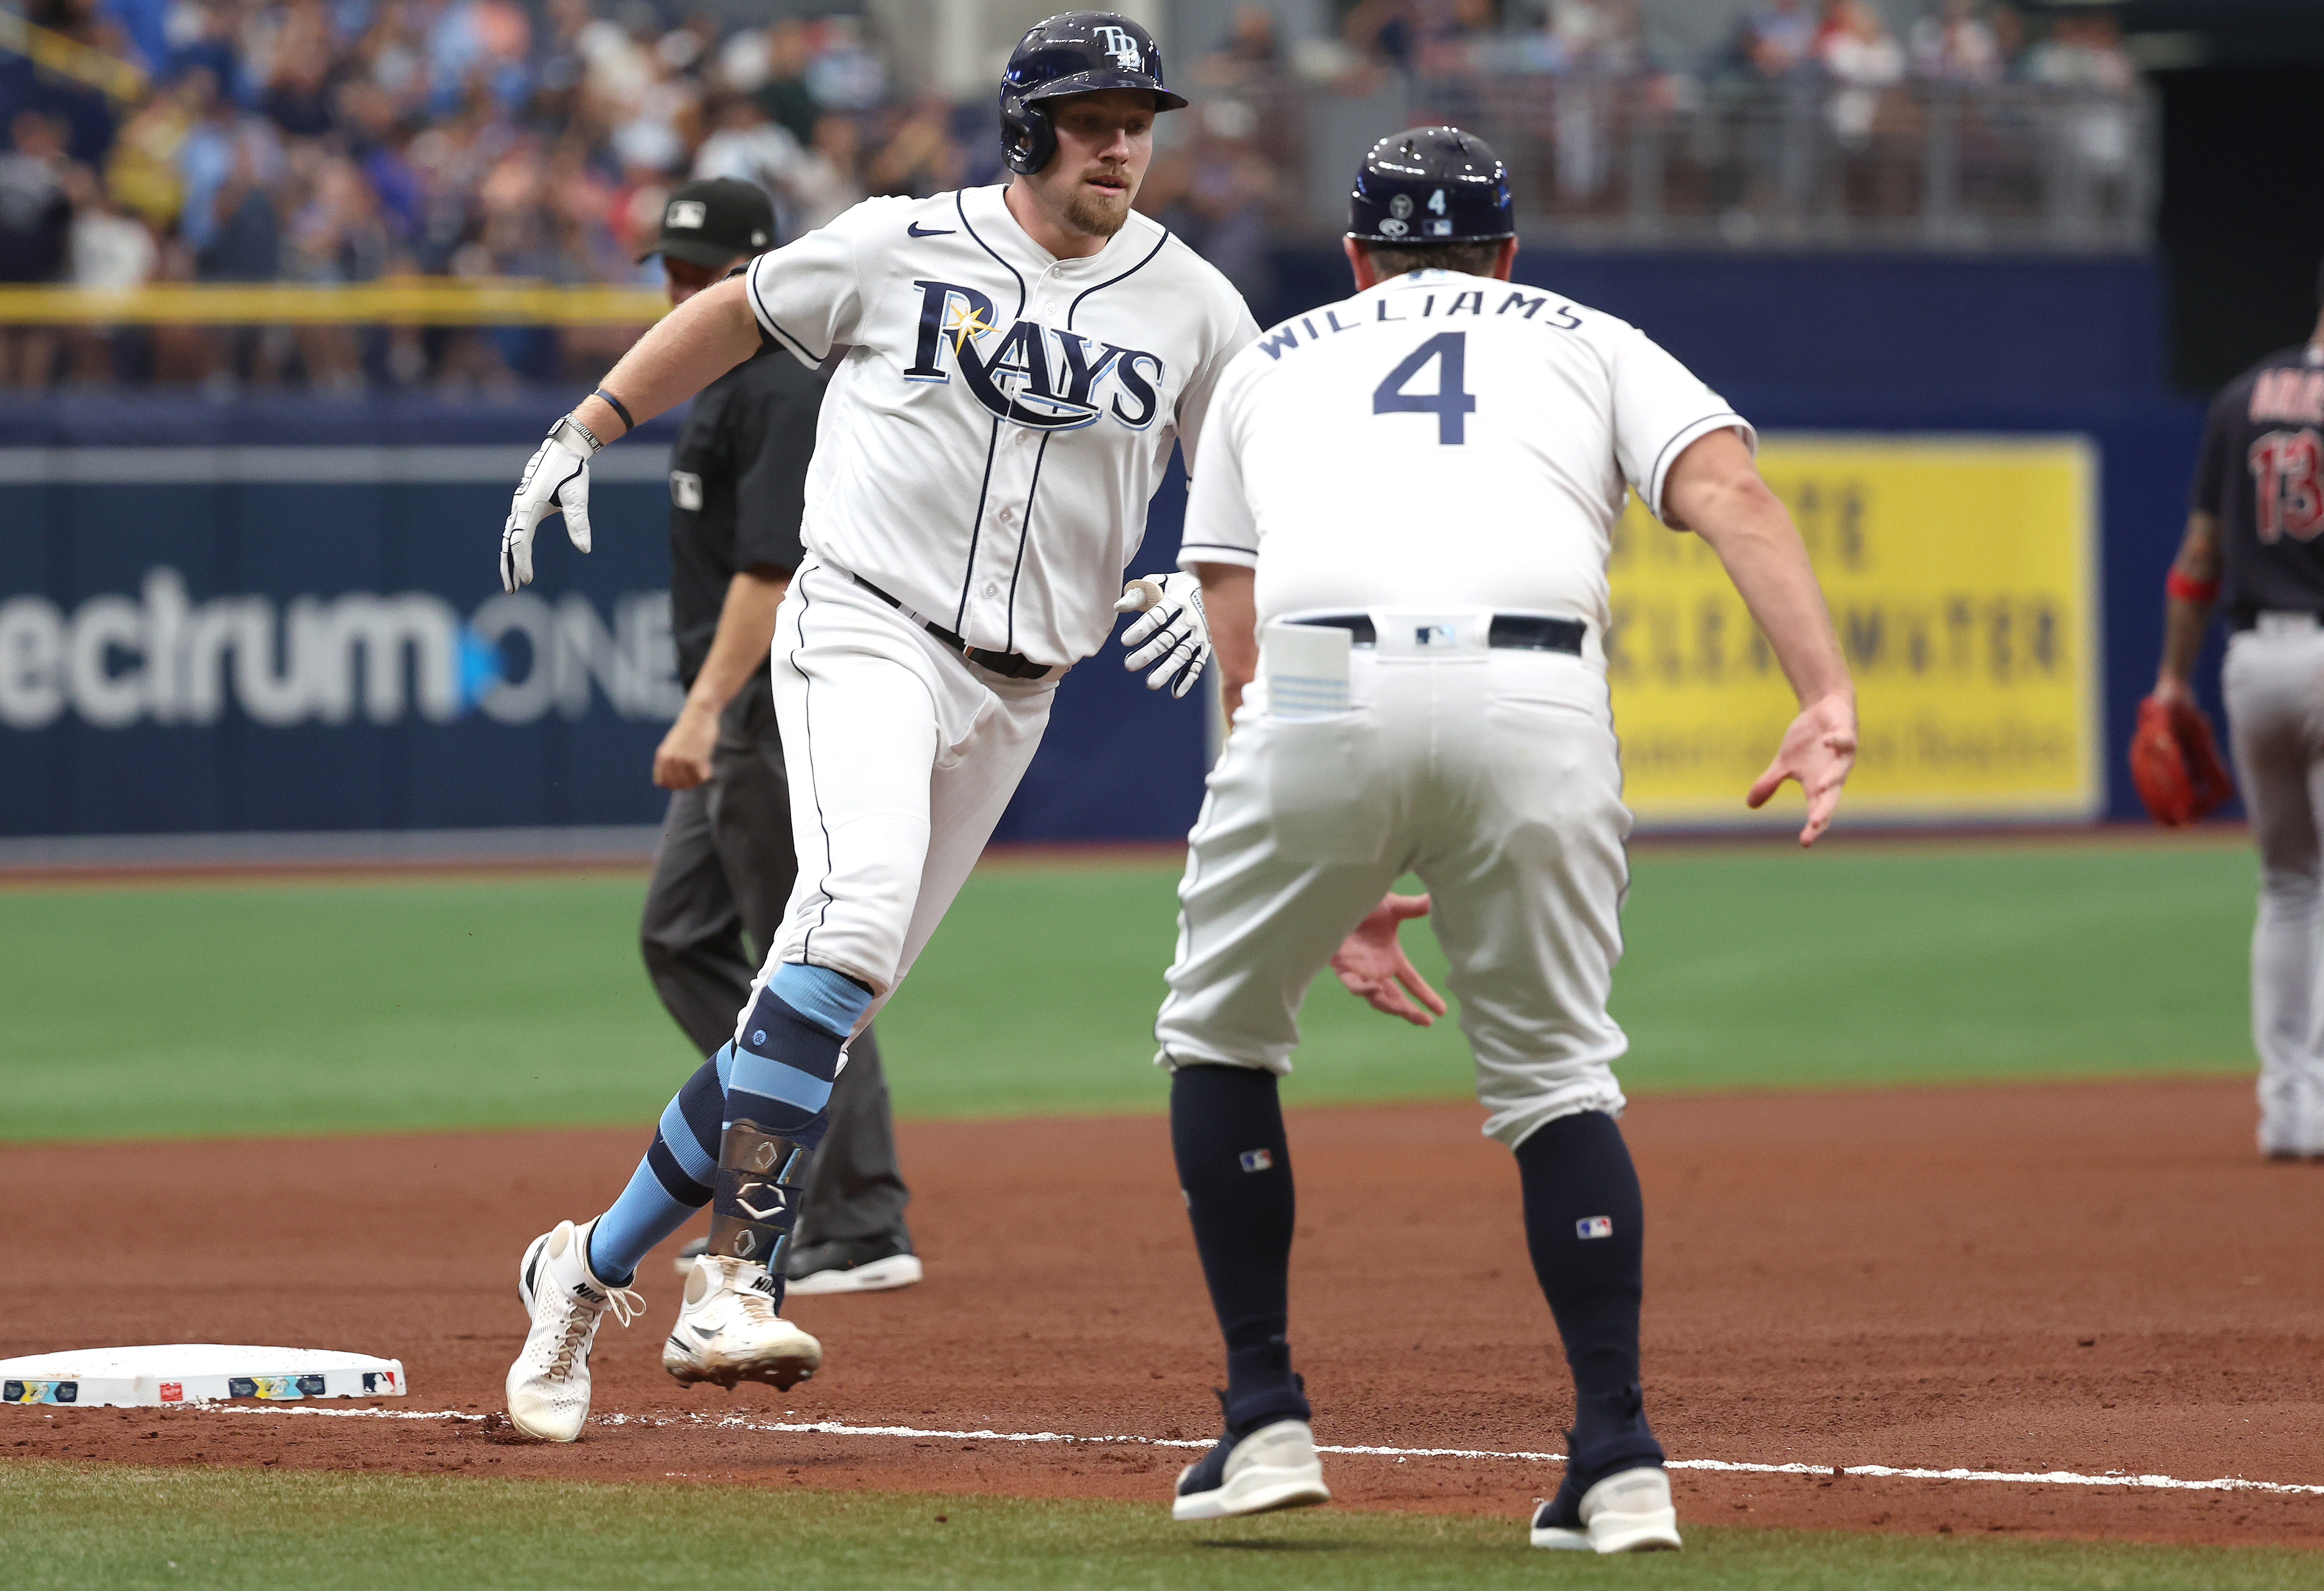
2093, 1279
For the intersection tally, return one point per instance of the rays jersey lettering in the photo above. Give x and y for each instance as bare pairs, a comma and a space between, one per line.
1041, 377
998, 417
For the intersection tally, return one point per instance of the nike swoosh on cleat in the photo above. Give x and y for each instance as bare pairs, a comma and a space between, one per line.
916, 230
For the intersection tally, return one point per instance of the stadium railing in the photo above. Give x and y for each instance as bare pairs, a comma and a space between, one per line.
418, 301
1811, 162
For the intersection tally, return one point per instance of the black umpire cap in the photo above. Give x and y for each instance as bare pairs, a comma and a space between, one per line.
714, 222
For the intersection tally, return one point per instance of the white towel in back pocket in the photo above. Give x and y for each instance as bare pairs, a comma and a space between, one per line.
1306, 670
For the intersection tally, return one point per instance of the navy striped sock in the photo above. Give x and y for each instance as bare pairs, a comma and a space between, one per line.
670, 1184
787, 1054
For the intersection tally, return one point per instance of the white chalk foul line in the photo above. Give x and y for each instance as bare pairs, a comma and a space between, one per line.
2051, 1478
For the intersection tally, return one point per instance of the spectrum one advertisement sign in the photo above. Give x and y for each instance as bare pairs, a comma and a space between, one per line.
213, 640
160, 656
223, 640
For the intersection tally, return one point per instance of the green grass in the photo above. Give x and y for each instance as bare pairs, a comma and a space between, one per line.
374, 1005
123, 1528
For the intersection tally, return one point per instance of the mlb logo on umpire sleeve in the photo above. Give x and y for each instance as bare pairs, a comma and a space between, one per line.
686, 490
1257, 1160
1594, 1226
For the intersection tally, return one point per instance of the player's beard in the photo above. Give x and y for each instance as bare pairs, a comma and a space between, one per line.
1093, 213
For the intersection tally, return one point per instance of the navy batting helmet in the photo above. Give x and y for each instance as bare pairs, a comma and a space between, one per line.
1075, 52
1432, 185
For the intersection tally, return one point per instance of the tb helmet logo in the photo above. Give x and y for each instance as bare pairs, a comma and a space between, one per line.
1122, 45
1036, 376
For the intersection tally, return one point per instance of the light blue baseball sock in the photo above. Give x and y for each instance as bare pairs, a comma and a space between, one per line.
787, 1052
672, 1183
785, 1057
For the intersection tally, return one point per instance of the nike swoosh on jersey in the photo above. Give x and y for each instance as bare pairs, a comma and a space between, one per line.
914, 229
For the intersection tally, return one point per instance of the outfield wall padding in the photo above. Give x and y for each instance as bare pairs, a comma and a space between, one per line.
281, 546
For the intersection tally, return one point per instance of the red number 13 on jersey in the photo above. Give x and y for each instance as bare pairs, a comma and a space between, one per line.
2286, 466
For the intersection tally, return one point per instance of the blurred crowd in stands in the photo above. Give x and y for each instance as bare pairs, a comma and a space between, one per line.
341, 140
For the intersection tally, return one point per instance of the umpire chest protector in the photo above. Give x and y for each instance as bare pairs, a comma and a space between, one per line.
1075, 52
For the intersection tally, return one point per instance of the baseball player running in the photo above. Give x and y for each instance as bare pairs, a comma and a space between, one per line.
1401, 527
1012, 367
2251, 547
725, 866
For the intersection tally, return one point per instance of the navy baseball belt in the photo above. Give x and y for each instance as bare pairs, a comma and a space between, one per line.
1009, 665
1524, 632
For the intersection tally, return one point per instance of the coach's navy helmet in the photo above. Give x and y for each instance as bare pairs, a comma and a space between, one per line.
1432, 185
1074, 52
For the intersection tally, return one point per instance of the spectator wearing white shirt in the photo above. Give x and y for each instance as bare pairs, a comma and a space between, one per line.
747, 146
1957, 45
109, 250
1864, 59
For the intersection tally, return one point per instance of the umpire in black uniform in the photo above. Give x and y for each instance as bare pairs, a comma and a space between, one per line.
726, 866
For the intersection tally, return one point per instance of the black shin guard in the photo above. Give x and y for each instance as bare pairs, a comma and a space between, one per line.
755, 1205
1585, 1228
1226, 1131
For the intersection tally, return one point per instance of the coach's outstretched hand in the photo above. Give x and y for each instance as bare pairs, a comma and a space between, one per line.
556, 481
1371, 962
1818, 750
1175, 636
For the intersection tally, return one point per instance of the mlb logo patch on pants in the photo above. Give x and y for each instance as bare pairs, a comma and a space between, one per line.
1594, 1226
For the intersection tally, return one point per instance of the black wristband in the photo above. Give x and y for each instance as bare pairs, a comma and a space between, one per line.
614, 404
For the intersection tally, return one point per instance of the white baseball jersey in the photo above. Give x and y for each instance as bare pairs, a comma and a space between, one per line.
1440, 441
1000, 417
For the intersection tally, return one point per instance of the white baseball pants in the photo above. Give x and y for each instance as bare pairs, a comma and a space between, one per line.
1493, 775
902, 756
2274, 680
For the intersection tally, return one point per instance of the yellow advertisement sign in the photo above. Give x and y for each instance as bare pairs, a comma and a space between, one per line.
1962, 576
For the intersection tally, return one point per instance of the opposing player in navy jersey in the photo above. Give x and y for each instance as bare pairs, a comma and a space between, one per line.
1012, 368
2251, 552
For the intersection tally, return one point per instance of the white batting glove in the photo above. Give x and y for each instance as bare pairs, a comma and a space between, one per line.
556, 481
1174, 639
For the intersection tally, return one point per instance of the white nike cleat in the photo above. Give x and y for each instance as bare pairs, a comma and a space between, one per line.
548, 1385
1274, 1466
728, 1331
1630, 1512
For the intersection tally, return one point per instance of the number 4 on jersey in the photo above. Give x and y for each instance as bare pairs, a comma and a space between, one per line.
1450, 403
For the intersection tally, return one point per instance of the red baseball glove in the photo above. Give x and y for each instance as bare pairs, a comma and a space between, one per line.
2175, 763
